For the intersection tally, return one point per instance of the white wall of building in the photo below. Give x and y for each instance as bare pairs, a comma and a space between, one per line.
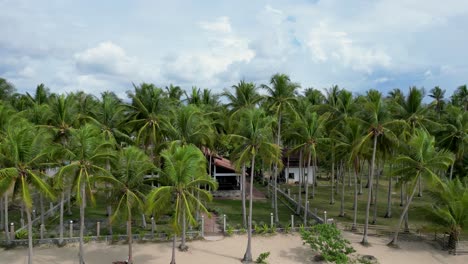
295, 171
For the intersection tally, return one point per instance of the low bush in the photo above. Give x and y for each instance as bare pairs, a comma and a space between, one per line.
328, 241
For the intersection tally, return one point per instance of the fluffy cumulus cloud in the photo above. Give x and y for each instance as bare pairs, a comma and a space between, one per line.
354, 44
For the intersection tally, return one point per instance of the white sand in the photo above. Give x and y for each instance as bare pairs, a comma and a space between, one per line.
285, 249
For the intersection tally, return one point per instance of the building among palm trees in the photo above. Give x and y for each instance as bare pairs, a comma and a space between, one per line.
223, 171
291, 171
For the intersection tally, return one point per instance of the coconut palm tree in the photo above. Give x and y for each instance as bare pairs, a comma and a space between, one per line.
281, 96
460, 97
309, 130
377, 119
128, 188
448, 210
254, 140
88, 153
454, 134
184, 170
245, 96
438, 95
419, 159
21, 153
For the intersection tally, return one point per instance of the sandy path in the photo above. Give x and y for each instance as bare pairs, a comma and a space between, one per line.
285, 249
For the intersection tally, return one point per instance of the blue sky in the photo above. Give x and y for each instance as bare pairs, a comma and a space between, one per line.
96, 46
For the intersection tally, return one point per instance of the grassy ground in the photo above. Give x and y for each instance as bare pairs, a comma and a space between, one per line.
261, 211
321, 201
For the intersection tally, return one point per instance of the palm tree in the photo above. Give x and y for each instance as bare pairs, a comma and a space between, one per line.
349, 142
253, 139
315, 97
460, 97
419, 159
129, 190
454, 134
183, 172
245, 96
280, 98
448, 211
438, 95
21, 152
377, 119
309, 130
88, 152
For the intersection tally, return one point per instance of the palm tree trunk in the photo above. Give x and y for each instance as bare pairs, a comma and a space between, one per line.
332, 198
389, 199
298, 209
374, 220
248, 252
451, 170
312, 174
130, 239
244, 209
109, 219
82, 222
183, 246
401, 195
30, 236
62, 201
69, 202
369, 196
355, 207
394, 241
342, 176
287, 170
173, 249
278, 142
5, 208
306, 197
360, 177
419, 187
41, 204
2, 219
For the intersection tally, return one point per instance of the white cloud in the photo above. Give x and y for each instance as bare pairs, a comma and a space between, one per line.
203, 65
221, 24
106, 58
27, 72
331, 46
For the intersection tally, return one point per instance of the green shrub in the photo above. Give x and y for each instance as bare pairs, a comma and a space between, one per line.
86, 239
272, 229
287, 229
327, 240
258, 229
21, 234
229, 230
262, 258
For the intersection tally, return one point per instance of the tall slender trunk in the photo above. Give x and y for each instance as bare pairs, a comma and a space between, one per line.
451, 170
62, 201
287, 170
394, 241
406, 215
173, 249
244, 210
2, 218
420, 187
69, 201
360, 177
183, 246
109, 219
355, 207
369, 196
374, 220
278, 142
298, 209
389, 199
130, 238
248, 251
41, 204
332, 198
30, 236
312, 172
306, 197
5, 208
401, 195
82, 222
342, 177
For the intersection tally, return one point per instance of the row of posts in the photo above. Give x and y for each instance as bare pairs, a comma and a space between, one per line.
98, 229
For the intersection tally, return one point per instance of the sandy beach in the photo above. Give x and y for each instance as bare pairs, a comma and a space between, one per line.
285, 249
